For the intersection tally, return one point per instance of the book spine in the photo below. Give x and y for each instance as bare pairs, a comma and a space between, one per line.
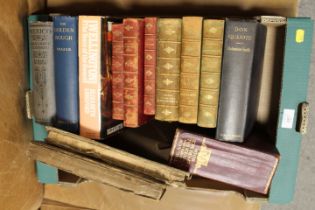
90, 73
190, 69
118, 71
133, 38
168, 69
212, 44
150, 47
240, 78
224, 162
66, 72
42, 63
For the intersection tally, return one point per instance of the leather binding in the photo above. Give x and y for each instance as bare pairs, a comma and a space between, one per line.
133, 72
42, 67
240, 80
118, 71
66, 72
168, 69
213, 31
232, 164
150, 47
190, 69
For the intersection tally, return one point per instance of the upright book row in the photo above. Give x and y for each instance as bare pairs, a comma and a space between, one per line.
190, 69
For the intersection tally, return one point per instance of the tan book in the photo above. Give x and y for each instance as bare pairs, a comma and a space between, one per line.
212, 43
168, 69
190, 69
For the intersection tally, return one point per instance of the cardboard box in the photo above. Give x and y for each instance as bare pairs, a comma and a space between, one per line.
18, 181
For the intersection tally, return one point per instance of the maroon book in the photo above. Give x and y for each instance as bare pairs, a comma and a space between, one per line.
118, 71
150, 38
225, 162
133, 38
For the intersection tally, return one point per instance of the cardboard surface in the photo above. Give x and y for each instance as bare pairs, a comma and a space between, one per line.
98, 196
19, 188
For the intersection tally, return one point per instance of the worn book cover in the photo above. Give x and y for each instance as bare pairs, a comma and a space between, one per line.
42, 67
133, 37
190, 69
150, 49
225, 162
243, 54
168, 69
210, 75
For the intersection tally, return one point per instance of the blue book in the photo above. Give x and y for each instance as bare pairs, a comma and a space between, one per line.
66, 72
45, 173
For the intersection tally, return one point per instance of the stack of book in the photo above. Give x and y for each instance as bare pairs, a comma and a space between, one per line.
93, 75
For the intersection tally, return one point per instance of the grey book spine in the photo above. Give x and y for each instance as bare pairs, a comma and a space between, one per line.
240, 80
41, 50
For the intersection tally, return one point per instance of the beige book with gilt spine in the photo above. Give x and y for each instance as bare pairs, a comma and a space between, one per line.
190, 69
168, 68
211, 59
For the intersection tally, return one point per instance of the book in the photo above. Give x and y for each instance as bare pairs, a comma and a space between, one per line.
190, 69
42, 68
150, 47
168, 68
133, 72
118, 71
45, 173
298, 39
240, 78
66, 72
210, 75
232, 164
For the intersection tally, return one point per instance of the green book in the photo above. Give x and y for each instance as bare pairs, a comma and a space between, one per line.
297, 57
45, 173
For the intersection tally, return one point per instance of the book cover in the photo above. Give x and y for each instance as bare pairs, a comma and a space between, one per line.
133, 37
66, 72
118, 71
190, 69
240, 78
150, 47
42, 67
45, 173
212, 44
296, 66
228, 163
168, 69
95, 79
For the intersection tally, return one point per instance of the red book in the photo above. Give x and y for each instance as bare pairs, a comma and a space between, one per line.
150, 38
118, 71
133, 37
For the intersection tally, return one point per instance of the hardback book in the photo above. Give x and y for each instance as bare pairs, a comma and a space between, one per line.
42, 67
150, 47
212, 44
240, 78
190, 69
66, 72
133, 38
95, 79
118, 71
168, 69
232, 164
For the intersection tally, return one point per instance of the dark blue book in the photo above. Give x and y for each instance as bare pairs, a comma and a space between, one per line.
66, 72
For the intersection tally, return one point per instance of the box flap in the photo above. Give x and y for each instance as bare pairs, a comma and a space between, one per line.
177, 7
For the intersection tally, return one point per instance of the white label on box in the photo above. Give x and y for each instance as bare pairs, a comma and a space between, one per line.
287, 118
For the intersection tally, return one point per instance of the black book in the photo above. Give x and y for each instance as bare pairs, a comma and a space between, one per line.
244, 43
